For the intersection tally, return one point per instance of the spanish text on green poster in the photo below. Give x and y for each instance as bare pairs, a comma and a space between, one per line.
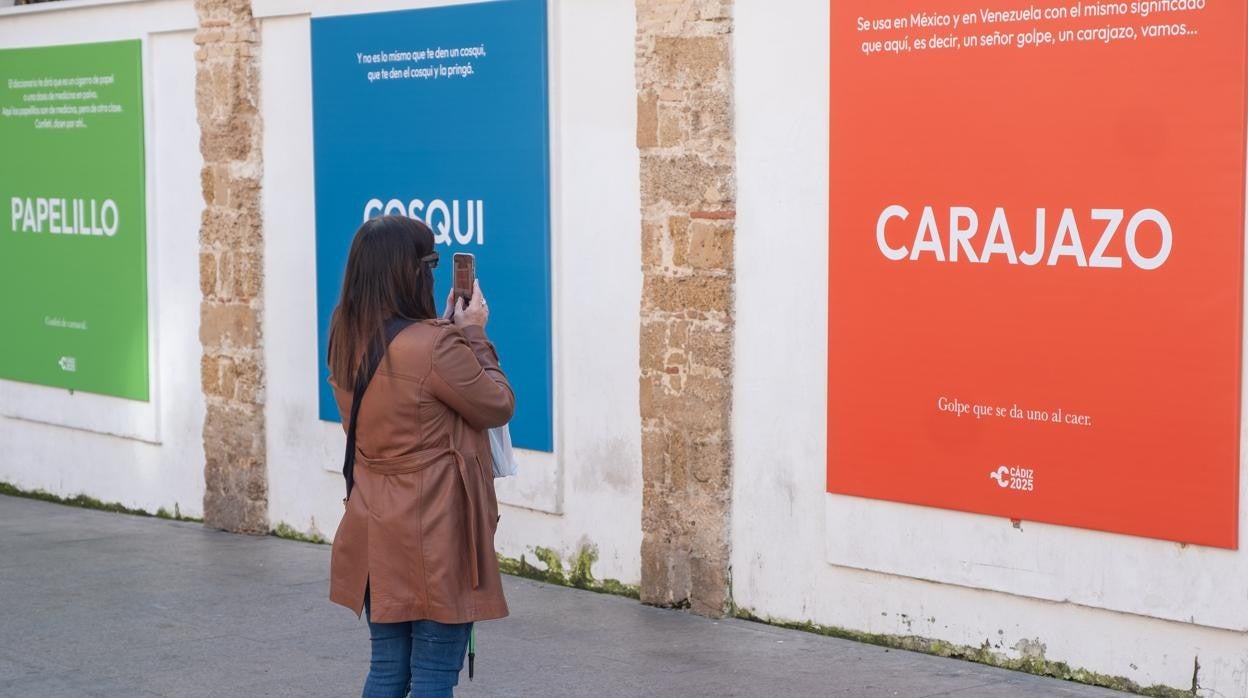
73, 267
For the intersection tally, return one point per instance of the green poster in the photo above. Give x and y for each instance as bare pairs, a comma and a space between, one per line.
73, 250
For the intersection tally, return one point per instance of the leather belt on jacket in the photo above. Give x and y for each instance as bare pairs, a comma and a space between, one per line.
415, 462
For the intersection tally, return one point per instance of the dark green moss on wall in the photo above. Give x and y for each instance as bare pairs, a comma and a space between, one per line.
85, 502
288, 532
579, 575
980, 655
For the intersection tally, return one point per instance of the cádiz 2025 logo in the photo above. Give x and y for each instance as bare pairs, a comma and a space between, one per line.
1014, 478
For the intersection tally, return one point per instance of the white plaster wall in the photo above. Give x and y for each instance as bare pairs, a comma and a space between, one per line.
589, 490
1118, 605
142, 454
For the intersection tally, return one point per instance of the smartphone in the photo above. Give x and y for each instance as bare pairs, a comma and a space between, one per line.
465, 265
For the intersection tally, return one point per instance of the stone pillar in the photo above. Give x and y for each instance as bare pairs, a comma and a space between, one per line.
685, 138
231, 252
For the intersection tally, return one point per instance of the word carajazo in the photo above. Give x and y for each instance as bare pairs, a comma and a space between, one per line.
64, 216
958, 238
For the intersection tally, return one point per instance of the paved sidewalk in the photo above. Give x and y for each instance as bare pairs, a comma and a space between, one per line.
102, 604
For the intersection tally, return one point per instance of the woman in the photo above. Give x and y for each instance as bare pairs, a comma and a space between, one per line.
415, 549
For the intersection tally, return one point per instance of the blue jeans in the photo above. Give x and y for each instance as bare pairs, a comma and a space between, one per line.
423, 654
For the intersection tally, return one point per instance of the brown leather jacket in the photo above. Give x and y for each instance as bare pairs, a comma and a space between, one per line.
419, 525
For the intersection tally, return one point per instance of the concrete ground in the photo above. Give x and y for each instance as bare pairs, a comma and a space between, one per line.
99, 604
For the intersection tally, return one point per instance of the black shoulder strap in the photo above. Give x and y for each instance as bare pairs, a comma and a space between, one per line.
363, 377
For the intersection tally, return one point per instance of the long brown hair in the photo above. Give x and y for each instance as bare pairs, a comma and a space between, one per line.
387, 275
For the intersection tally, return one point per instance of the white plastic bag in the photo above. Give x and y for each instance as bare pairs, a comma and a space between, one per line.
500, 448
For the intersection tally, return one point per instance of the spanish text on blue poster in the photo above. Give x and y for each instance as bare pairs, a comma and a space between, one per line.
441, 114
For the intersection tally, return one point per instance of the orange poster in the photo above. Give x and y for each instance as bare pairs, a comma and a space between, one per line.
1036, 260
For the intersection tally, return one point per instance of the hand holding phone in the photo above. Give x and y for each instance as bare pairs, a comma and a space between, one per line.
476, 312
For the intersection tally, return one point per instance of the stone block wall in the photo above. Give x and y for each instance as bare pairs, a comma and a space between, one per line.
227, 91
685, 138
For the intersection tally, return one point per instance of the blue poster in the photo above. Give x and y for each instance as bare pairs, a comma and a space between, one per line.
441, 114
